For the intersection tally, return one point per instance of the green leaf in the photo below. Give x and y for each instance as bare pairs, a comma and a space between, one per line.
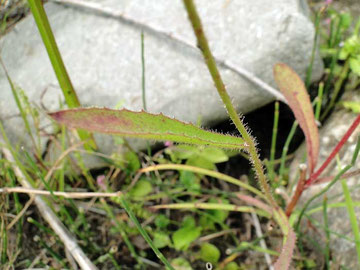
181, 264
214, 155
189, 180
209, 253
141, 188
352, 105
143, 125
133, 162
293, 88
206, 223
200, 162
232, 266
183, 237
161, 221
161, 240
188, 221
355, 64
219, 215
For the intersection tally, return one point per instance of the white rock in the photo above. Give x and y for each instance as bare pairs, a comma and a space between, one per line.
102, 56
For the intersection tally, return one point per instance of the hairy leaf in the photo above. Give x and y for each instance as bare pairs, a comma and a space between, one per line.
284, 260
143, 125
294, 90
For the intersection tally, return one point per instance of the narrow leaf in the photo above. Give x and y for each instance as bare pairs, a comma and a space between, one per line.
293, 88
284, 260
142, 125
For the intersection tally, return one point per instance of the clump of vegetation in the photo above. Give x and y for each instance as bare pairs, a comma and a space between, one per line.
139, 212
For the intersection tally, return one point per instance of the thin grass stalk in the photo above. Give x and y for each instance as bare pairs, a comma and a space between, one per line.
343, 75
220, 86
224, 177
120, 227
286, 149
20, 107
69, 242
323, 191
271, 172
313, 51
327, 233
319, 100
214, 206
66, 86
144, 233
352, 215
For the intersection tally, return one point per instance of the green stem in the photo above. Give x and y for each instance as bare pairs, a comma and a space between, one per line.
144, 233
219, 84
47, 36
271, 172
338, 84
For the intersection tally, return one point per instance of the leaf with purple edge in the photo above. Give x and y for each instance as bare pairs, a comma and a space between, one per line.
293, 88
143, 125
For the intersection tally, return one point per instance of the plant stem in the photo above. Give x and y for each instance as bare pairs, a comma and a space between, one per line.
337, 148
298, 191
271, 173
219, 84
47, 36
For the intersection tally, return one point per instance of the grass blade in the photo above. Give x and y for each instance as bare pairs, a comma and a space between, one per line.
48, 38
352, 215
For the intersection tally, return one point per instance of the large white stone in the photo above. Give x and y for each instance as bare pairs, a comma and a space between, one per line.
102, 56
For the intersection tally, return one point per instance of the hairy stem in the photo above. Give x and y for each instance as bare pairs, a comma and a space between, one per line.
219, 84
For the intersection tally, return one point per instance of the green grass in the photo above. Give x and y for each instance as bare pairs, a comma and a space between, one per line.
138, 230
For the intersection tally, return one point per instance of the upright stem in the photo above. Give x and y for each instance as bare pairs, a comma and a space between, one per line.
215, 74
66, 86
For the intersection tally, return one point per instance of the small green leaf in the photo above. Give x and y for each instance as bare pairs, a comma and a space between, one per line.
181, 264
161, 221
161, 240
209, 253
206, 223
189, 180
355, 64
142, 188
232, 266
133, 162
188, 221
183, 237
219, 215
200, 162
185, 151
143, 125
214, 155
352, 105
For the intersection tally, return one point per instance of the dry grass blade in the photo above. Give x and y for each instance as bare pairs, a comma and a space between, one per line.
69, 241
72, 195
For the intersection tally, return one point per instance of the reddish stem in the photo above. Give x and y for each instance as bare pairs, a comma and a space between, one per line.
337, 148
298, 191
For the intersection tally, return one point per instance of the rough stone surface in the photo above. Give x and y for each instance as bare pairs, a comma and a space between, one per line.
102, 55
343, 251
